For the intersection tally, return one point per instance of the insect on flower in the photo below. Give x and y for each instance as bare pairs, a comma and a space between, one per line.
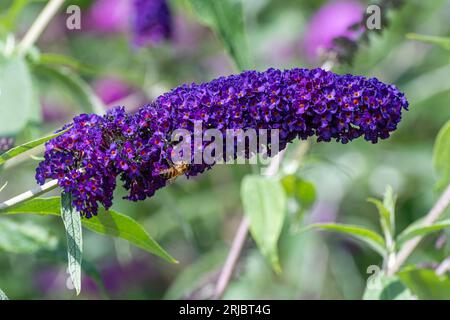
176, 170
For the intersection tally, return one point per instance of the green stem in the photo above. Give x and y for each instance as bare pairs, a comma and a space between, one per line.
435, 213
28, 195
39, 25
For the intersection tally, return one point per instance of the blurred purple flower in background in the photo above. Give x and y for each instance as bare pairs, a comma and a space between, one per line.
152, 22
111, 90
118, 279
333, 20
53, 111
149, 21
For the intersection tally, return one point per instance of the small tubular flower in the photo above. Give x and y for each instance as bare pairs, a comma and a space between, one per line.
299, 103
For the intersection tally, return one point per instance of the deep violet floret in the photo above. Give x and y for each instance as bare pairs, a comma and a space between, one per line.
300, 103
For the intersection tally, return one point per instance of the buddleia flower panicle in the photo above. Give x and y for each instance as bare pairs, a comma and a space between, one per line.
300, 103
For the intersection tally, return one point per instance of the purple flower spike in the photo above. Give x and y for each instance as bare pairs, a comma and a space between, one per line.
333, 20
137, 148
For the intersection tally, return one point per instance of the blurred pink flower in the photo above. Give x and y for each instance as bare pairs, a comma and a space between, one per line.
331, 21
110, 16
111, 90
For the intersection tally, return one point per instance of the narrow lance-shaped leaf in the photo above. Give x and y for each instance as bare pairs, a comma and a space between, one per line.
75, 85
226, 18
371, 238
384, 215
110, 223
62, 60
14, 152
72, 223
264, 203
417, 229
386, 210
443, 42
441, 156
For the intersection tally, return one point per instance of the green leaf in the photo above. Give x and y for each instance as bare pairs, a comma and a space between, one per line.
25, 238
371, 238
389, 201
443, 42
441, 156
386, 210
16, 95
417, 229
62, 60
109, 223
264, 204
72, 222
387, 288
425, 284
3, 295
226, 18
302, 190
75, 85
7, 20
26, 146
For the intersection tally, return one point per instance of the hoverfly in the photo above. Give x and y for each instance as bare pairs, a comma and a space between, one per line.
176, 170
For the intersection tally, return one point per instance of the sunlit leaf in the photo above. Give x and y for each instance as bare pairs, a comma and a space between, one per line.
110, 223
72, 222
441, 156
264, 204
14, 152
371, 238
3, 296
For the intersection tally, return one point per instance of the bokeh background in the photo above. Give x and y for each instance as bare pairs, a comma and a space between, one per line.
195, 220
